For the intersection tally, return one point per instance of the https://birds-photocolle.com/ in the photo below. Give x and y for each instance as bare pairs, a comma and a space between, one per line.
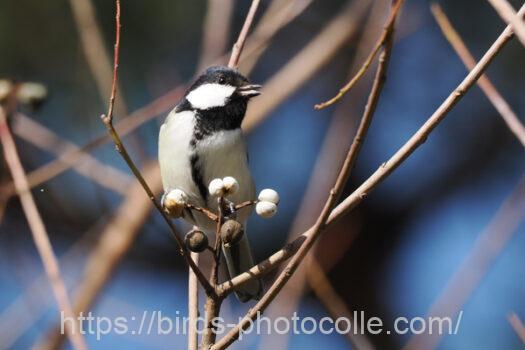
201, 140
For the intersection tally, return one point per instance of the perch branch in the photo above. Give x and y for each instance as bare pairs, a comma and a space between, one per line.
193, 305
504, 109
39, 232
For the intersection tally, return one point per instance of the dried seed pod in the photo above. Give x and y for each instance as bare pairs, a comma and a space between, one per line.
196, 241
231, 232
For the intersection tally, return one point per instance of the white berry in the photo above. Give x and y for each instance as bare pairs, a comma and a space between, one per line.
269, 195
175, 201
216, 187
266, 209
230, 185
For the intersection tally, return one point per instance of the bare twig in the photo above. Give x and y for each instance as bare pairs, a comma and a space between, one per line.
469, 274
380, 43
39, 232
216, 30
193, 305
517, 325
239, 44
415, 141
508, 14
506, 112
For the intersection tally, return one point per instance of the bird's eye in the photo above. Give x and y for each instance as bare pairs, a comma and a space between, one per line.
222, 80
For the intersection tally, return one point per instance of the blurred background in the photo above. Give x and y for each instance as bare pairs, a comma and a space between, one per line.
443, 233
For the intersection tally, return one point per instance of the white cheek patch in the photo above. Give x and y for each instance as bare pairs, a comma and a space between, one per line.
209, 96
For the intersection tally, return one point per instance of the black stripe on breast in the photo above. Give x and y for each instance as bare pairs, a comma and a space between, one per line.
196, 175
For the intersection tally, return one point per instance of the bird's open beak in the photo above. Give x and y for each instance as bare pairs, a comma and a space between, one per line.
249, 90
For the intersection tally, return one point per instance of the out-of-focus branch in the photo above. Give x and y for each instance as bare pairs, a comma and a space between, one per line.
415, 141
306, 63
469, 274
383, 39
216, 30
517, 325
278, 15
40, 136
39, 232
239, 44
504, 109
509, 15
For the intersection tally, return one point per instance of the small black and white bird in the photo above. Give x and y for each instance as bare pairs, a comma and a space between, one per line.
201, 140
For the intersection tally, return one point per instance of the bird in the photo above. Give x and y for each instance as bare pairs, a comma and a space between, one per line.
201, 140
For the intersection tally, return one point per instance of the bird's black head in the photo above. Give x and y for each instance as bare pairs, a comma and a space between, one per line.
220, 96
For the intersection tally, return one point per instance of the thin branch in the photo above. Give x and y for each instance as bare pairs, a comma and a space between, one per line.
108, 122
504, 109
487, 248
193, 305
509, 15
415, 141
216, 29
39, 232
239, 44
517, 325
387, 31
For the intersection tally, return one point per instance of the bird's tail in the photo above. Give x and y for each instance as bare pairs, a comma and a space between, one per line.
238, 260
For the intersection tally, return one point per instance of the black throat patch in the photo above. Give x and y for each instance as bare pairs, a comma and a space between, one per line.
207, 122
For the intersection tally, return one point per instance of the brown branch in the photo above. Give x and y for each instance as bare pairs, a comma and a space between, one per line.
239, 44
108, 122
39, 232
517, 325
506, 112
383, 39
415, 141
193, 305
488, 246
509, 15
